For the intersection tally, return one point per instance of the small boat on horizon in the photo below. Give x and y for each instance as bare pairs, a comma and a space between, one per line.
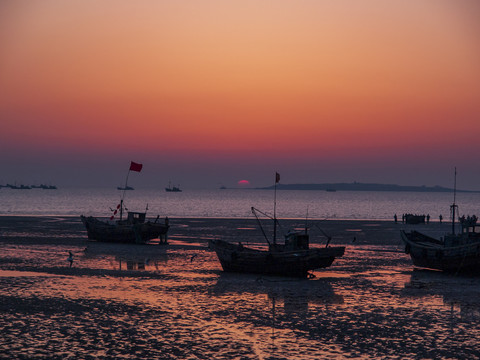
293, 258
171, 188
125, 188
451, 253
44, 186
18, 187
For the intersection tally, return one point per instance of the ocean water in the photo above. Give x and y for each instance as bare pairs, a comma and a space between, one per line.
235, 203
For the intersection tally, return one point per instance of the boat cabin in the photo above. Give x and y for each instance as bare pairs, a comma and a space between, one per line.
296, 241
136, 217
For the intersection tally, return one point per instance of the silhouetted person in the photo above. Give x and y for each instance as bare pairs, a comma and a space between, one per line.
70, 258
428, 218
395, 218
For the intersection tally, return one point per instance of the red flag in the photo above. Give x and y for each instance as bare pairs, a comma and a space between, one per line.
277, 177
135, 167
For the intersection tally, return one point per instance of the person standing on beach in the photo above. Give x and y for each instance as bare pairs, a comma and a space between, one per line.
70, 258
395, 218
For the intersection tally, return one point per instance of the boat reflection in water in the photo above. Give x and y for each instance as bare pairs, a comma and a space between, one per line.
460, 295
295, 295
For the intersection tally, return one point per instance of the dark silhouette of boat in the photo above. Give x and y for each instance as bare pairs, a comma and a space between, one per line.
173, 188
45, 187
452, 252
125, 188
18, 187
294, 258
133, 229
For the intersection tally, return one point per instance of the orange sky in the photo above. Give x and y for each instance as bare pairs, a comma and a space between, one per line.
274, 84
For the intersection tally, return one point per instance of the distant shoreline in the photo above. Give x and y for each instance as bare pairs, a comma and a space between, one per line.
356, 186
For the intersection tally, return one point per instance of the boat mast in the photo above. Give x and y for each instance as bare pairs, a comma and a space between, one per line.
133, 167
123, 195
277, 179
453, 206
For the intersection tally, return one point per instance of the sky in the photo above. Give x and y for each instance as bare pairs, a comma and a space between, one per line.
208, 93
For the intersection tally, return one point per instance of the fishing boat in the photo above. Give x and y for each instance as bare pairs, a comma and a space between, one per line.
171, 188
454, 252
134, 229
125, 188
293, 258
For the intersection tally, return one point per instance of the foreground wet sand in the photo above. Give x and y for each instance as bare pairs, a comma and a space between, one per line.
169, 302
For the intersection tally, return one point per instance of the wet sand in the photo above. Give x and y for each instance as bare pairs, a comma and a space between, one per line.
169, 302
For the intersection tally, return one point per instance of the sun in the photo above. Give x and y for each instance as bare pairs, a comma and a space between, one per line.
243, 183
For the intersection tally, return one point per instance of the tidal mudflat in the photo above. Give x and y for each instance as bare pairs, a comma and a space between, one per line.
170, 302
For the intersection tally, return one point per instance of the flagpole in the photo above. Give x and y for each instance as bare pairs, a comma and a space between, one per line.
454, 198
275, 211
123, 195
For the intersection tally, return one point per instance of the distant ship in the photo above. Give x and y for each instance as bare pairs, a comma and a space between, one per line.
171, 188
20, 187
125, 188
43, 186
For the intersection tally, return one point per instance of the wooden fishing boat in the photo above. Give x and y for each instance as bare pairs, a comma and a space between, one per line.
133, 229
452, 252
294, 258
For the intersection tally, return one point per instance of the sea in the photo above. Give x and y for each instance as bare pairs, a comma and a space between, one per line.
236, 203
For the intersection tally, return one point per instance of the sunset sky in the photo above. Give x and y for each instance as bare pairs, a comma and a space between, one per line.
208, 93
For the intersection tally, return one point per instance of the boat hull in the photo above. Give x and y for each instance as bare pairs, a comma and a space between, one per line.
431, 253
138, 233
238, 258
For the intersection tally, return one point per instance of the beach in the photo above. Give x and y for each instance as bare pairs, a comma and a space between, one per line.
175, 302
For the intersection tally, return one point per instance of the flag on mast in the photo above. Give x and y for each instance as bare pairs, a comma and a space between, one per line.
135, 166
277, 177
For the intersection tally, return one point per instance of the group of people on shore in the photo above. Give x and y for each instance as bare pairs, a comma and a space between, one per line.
416, 219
